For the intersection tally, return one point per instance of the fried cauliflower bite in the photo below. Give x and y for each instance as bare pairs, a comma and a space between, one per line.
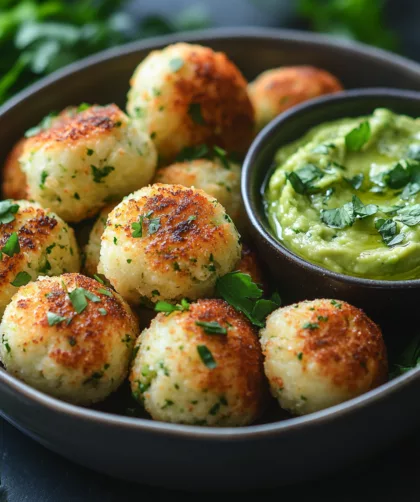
167, 242
93, 247
276, 90
89, 158
320, 353
78, 357
14, 179
186, 95
184, 374
36, 242
221, 182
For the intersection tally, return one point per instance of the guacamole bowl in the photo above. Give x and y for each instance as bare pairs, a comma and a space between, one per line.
302, 277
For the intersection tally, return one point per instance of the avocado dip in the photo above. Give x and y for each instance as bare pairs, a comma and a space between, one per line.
346, 196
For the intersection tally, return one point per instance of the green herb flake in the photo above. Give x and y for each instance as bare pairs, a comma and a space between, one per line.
78, 300
72, 341
21, 279
336, 304
300, 356
358, 137
176, 64
212, 327
356, 182
189, 153
11, 246
389, 232
44, 176
410, 215
303, 178
105, 292
206, 356
154, 225
103, 311
101, 172
310, 325
221, 154
97, 278
8, 209
194, 111
89, 152
137, 228
54, 319
167, 308
76, 196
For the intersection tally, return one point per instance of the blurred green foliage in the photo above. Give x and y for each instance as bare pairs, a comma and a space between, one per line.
361, 20
38, 36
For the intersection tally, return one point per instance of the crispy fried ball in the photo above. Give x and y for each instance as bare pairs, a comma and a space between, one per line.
89, 158
167, 242
212, 176
36, 242
93, 247
320, 353
14, 179
79, 357
184, 374
250, 264
276, 90
186, 95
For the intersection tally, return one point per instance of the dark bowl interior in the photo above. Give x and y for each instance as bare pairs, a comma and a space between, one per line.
269, 453
297, 278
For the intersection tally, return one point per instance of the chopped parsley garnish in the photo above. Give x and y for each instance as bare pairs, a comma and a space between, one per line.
310, 325
78, 298
336, 304
194, 111
76, 196
11, 246
206, 356
356, 182
212, 327
193, 153
56, 319
414, 152
82, 107
192, 217
244, 295
101, 172
103, 311
389, 232
176, 64
105, 292
322, 318
346, 215
300, 355
90, 152
323, 149
410, 215
72, 341
137, 228
44, 176
154, 225
96, 277
21, 279
222, 156
162, 306
408, 359
358, 137
303, 178
8, 209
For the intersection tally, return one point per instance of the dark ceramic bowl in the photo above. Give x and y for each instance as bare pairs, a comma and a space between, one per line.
272, 452
385, 301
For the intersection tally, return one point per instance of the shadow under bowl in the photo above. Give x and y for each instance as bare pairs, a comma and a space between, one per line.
388, 302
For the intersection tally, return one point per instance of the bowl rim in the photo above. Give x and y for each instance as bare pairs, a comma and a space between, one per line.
269, 133
232, 434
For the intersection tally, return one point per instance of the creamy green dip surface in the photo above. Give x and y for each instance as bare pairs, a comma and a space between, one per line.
346, 196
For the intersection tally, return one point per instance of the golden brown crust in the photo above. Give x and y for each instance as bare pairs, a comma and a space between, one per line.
88, 346
347, 344
14, 179
184, 215
219, 89
72, 126
32, 234
291, 85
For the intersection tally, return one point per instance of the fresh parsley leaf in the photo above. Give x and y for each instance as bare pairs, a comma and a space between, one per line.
45, 123
410, 215
323, 149
389, 232
105, 292
414, 151
263, 308
78, 300
310, 325
11, 246
154, 225
96, 277
222, 156
193, 153
339, 217
356, 182
303, 178
206, 356
166, 307
363, 211
56, 319
398, 176
21, 279
102, 311
358, 137
137, 227
176, 64
8, 209
101, 172
408, 359
194, 111
212, 327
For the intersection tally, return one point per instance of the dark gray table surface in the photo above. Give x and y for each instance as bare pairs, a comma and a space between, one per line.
30, 473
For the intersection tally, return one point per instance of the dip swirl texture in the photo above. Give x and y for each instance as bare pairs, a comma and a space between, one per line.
346, 196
